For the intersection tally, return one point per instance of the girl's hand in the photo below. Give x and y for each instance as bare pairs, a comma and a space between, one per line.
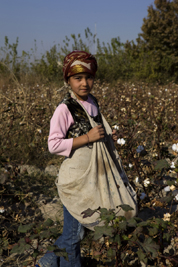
93, 135
96, 133
114, 135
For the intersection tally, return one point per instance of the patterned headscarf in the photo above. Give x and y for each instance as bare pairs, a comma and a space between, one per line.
77, 62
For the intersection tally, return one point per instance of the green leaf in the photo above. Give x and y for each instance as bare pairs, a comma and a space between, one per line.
158, 220
19, 249
125, 237
59, 252
164, 224
111, 253
51, 248
54, 231
132, 222
35, 253
167, 199
138, 230
160, 164
143, 223
48, 222
142, 256
34, 236
167, 237
25, 228
107, 215
123, 256
170, 182
114, 123
102, 230
26, 263
138, 219
103, 211
153, 231
123, 225
45, 234
88, 212
150, 246
125, 207
117, 239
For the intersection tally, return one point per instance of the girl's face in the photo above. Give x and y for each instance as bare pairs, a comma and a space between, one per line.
81, 85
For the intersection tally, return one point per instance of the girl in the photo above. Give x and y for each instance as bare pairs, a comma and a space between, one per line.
91, 175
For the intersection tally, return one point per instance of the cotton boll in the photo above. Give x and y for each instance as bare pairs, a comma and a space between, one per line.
146, 182
175, 147
2, 210
167, 217
172, 165
121, 141
116, 127
167, 188
137, 180
172, 187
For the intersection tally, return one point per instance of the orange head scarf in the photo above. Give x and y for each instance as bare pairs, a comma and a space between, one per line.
77, 62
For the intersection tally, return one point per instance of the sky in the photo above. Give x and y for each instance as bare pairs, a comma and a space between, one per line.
49, 21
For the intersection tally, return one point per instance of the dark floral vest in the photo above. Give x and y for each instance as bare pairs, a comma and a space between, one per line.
81, 122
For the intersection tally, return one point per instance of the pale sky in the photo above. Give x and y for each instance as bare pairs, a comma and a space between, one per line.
49, 21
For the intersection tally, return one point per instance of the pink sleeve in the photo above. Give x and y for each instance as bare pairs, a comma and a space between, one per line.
59, 125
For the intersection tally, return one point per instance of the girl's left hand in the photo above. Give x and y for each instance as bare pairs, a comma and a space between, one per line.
114, 135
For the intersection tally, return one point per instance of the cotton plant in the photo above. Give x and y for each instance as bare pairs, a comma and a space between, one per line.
121, 141
175, 147
146, 182
116, 127
154, 155
137, 180
167, 189
172, 165
39, 131
2, 210
174, 191
130, 165
172, 187
167, 217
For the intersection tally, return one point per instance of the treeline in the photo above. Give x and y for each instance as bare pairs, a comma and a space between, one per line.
153, 57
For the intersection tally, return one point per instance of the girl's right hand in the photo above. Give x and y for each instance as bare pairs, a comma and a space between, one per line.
96, 133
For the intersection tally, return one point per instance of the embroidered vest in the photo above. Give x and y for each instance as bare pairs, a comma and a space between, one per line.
81, 124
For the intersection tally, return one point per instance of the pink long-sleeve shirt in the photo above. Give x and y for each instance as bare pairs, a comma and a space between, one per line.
59, 125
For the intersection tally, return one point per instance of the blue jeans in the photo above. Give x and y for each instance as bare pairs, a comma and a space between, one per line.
73, 233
